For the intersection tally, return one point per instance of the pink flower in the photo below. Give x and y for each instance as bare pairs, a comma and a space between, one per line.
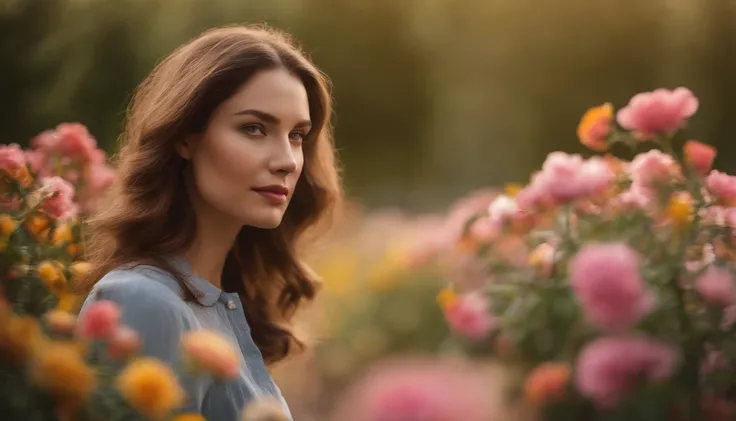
73, 140
634, 198
124, 343
699, 156
595, 176
716, 286
422, 390
722, 186
13, 162
100, 320
470, 316
659, 112
502, 210
59, 204
651, 168
606, 280
609, 367
45, 141
99, 177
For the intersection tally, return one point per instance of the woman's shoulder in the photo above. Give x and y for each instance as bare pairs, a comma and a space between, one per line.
139, 285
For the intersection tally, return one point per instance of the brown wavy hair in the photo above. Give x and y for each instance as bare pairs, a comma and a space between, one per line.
148, 216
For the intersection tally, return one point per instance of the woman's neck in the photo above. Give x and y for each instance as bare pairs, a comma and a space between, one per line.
213, 241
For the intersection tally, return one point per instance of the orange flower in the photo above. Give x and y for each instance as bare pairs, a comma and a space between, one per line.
446, 298
60, 321
189, 417
150, 387
546, 383
51, 273
680, 208
21, 336
60, 369
7, 225
79, 270
38, 225
595, 126
63, 234
210, 351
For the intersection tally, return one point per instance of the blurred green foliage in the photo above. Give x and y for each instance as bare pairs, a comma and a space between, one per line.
434, 98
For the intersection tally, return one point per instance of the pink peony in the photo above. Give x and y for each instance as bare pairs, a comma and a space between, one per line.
699, 156
609, 367
470, 316
722, 186
651, 168
100, 320
716, 286
59, 204
606, 280
422, 390
565, 178
659, 112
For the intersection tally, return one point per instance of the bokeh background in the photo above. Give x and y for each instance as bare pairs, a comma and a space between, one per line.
435, 99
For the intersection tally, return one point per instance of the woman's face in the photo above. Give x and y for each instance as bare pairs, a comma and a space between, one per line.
248, 160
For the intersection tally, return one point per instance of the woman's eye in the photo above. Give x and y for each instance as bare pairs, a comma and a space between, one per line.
253, 130
297, 136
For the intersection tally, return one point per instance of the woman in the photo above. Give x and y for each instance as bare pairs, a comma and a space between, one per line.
227, 161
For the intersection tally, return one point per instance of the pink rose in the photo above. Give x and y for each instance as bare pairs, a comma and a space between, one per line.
716, 286
124, 343
470, 316
73, 140
59, 204
13, 162
421, 390
100, 320
606, 280
634, 198
659, 112
565, 178
45, 141
595, 176
722, 186
699, 156
651, 168
609, 367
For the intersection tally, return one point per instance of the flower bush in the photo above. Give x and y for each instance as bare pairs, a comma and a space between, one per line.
618, 300
54, 367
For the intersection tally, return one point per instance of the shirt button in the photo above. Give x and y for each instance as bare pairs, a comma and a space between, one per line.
230, 305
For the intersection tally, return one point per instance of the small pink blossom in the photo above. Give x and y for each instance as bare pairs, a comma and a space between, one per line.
651, 168
722, 186
100, 320
565, 178
716, 286
45, 141
470, 316
98, 177
502, 210
124, 343
595, 176
633, 198
484, 230
59, 204
610, 367
422, 390
659, 112
699, 156
606, 280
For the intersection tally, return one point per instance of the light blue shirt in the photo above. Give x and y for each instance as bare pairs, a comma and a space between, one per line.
152, 304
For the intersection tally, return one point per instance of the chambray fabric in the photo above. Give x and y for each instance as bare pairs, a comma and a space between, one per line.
151, 303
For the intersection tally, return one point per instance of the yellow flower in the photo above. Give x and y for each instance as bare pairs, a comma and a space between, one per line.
60, 369
189, 417
8, 225
62, 234
446, 298
680, 208
79, 270
210, 351
595, 126
512, 189
51, 273
60, 320
67, 301
150, 387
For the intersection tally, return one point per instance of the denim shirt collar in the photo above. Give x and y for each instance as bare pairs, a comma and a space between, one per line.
204, 291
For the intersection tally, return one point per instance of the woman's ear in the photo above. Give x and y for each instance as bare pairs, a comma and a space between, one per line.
186, 147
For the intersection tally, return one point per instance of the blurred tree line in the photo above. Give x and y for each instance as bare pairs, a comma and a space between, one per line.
433, 97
